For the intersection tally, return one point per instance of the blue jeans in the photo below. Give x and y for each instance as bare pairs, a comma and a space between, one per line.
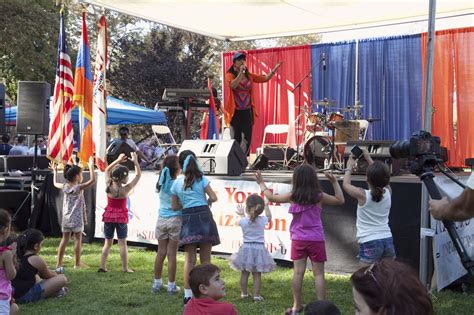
372, 251
34, 294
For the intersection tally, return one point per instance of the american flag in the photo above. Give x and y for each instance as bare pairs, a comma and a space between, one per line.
60, 142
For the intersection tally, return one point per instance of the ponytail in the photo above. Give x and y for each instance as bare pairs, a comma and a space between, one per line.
168, 173
191, 169
255, 206
378, 176
376, 193
27, 241
117, 175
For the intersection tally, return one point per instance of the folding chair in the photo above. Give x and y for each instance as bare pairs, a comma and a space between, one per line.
165, 140
277, 130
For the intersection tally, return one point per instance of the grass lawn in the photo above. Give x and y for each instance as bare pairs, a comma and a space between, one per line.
116, 292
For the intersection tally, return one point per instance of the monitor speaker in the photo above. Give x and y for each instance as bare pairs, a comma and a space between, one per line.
33, 108
2, 108
220, 157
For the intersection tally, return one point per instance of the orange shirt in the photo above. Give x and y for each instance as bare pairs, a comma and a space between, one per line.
230, 102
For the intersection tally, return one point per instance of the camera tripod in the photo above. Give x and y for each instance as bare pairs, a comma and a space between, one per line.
423, 168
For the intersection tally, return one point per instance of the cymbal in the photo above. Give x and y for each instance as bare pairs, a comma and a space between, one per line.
372, 119
324, 102
347, 109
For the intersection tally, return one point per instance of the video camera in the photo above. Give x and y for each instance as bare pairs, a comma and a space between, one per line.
424, 153
423, 150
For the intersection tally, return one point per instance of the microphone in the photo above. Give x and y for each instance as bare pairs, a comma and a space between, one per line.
323, 60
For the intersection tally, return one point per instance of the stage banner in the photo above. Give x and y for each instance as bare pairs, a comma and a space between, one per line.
447, 262
143, 205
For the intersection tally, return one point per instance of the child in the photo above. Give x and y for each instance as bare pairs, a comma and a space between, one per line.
168, 226
306, 229
199, 228
30, 264
373, 208
74, 208
115, 216
208, 288
252, 256
7, 266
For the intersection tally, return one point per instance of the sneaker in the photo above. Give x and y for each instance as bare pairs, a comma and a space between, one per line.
173, 289
62, 292
186, 300
258, 298
156, 288
102, 270
59, 270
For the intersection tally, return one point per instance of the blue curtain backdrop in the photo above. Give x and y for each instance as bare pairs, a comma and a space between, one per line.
335, 80
390, 85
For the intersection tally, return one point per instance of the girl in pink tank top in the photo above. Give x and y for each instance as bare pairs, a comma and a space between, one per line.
306, 229
115, 215
7, 267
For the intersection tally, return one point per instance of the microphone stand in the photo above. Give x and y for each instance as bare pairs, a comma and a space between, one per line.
298, 86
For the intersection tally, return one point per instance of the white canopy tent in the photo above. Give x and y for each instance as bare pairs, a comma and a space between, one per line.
238, 20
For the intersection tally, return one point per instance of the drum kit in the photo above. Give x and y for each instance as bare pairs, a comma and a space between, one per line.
327, 132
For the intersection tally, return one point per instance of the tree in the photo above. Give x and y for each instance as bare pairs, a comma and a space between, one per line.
29, 42
164, 58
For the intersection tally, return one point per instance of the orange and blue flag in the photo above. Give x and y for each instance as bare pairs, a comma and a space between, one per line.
83, 88
213, 122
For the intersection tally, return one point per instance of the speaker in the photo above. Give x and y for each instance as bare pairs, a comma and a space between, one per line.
2, 109
260, 163
379, 151
33, 108
220, 157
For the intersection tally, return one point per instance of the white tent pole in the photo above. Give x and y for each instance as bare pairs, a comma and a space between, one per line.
425, 217
356, 83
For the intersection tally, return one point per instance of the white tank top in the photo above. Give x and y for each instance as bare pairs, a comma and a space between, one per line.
372, 218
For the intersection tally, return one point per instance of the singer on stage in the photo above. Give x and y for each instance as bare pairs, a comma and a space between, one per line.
240, 108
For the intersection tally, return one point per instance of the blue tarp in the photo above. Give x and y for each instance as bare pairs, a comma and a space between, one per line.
119, 112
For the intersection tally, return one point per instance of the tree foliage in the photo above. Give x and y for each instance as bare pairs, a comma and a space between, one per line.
29, 31
163, 58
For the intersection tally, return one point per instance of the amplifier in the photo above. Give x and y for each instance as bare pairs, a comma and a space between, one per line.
219, 157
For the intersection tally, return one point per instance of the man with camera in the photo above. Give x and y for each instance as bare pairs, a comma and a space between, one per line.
124, 145
459, 209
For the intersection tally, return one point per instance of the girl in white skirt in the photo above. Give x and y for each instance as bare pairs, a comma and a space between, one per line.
252, 256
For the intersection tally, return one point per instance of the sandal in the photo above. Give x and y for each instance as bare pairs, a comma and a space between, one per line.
102, 270
290, 311
244, 296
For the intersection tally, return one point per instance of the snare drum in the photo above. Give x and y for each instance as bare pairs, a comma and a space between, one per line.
315, 122
316, 150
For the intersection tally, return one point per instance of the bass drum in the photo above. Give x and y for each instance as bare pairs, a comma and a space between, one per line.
316, 150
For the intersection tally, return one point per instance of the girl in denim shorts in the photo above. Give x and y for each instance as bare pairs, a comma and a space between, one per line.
373, 208
306, 229
198, 228
30, 264
168, 226
115, 216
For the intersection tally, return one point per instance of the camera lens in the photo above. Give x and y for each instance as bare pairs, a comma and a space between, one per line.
400, 149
